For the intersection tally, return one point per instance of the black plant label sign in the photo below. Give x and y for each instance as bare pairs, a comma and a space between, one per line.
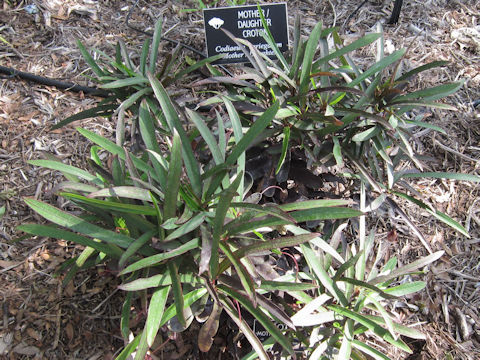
244, 22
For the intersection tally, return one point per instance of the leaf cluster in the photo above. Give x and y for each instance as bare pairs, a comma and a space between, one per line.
177, 219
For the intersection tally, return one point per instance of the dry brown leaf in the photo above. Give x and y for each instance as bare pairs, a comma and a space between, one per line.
69, 331
70, 289
209, 329
6, 264
24, 349
34, 334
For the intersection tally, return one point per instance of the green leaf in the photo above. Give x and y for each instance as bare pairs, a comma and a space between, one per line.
174, 122
406, 288
337, 151
258, 126
218, 227
115, 149
158, 258
366, 134
241, 271
177, 293
186, 228
274, 285
142, 347
66, 169
89, 60
426, 125
258, 347
271, 209
401, 329
371, 325
408, 268
298, 216
77, 224
423, 103
138, 80
432, 93
267, 35
260, 316
367, 349
128, 192
55, 233
157, 36
438, 214
258, 247
347, 264
207, 136
285, 142
130, 348
125, 317
377, 67
188, 300
173, 178
419, 69
147, 128
366, 40
100, 110
111, 205
135, 246
317, 269
313, 204
144, 56
439, 175
309, 54
163, 279
194, 67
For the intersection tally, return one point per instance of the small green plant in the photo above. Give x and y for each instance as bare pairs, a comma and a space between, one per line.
184, 226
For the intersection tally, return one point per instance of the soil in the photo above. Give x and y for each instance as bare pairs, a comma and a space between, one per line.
41, 319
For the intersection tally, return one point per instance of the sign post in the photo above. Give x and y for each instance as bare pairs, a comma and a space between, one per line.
244, 22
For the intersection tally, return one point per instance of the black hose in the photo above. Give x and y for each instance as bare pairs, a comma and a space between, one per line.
13, 73
69, 86
395, 12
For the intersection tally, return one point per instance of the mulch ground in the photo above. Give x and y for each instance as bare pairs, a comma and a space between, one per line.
41, 319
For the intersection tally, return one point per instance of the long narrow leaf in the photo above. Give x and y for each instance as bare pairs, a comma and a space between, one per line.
173, 178
174, 122
77, 224
156, 259
261, 317
218, 222
155, 313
